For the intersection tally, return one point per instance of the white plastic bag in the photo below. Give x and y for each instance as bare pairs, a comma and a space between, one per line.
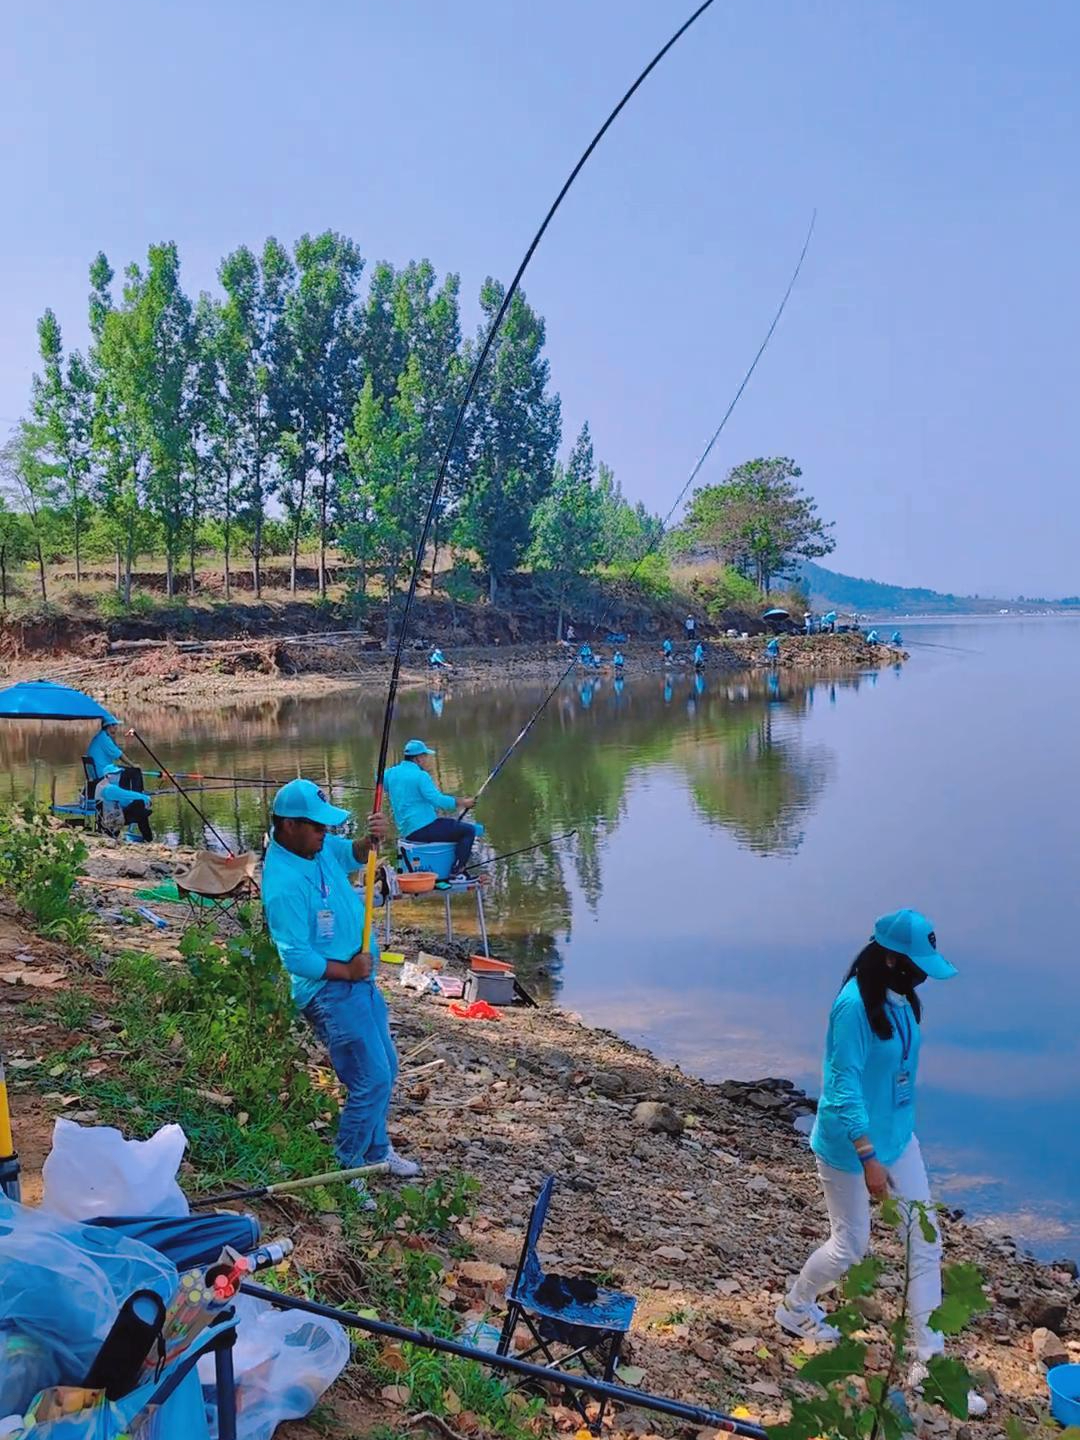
283, 1361
92, 1170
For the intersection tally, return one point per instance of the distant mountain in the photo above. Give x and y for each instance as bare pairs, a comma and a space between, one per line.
829, 590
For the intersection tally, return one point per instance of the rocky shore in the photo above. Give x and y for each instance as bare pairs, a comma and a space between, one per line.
700, 1199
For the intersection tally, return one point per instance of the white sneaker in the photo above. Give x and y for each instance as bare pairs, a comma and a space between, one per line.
806, 1320
363, 1195
400, 1167
977, 1406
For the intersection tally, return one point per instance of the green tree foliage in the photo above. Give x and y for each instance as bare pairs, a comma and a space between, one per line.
759, 520
16, 544
35, 486
513, 437
62, 406
567, 524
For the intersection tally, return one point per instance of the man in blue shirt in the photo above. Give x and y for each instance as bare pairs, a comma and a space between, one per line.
415, 800
316, 918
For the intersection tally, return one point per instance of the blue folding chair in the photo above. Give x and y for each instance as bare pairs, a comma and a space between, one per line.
593, 1328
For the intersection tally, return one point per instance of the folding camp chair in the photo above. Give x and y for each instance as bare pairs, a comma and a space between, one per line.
218, 884
589, 1328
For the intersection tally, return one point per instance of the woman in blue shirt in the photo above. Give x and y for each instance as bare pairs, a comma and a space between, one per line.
864, 1135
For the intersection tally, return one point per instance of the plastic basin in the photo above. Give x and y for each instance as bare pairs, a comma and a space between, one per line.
484, 965
1064, 1384
418, 882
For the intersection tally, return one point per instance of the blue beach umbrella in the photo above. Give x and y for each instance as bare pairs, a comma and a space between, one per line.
43, 700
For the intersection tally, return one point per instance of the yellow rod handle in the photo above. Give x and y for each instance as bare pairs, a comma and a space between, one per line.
369, 897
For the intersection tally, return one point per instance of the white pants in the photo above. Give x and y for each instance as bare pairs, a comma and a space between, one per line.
848, 1202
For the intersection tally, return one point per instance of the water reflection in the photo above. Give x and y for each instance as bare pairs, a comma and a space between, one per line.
732, 753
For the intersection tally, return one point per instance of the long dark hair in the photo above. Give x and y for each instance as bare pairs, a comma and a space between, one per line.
874, 974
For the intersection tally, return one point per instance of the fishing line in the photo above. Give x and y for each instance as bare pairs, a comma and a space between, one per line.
181, 791
664, 523
433, 504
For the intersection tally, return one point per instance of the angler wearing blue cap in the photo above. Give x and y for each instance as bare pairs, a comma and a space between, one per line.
864, 1134
416, 800
316, 919
103, 749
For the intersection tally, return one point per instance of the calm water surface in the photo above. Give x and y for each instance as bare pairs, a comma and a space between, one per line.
733, 846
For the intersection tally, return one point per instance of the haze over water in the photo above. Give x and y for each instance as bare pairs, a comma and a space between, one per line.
732, 850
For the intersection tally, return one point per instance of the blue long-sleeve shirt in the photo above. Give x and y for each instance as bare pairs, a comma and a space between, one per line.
414, 797
102, 750
863, 1092
314, 912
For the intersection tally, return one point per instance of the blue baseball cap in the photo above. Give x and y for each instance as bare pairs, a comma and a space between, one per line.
910, 933
303, 800
416, 747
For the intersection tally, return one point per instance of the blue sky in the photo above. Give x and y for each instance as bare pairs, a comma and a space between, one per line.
926, 371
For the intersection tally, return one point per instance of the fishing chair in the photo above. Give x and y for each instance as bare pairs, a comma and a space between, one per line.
591, 1331
217, 885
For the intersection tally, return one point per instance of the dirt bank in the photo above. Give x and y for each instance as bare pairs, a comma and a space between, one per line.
179, 673
702, 1208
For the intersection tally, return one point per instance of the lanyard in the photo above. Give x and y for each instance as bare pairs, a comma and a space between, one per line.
906, 1027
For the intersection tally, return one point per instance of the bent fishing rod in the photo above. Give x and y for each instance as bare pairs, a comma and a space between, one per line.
586, 1384
652, 547
452, 440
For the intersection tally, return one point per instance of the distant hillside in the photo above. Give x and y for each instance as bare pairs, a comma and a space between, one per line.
831, 590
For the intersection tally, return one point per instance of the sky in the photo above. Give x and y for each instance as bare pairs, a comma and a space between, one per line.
925, 373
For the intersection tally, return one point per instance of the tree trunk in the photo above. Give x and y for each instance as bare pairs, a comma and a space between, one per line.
228, 528
169, 579
117, 571
434, 552
191, 560
3, 576
558, 623
41, 571
78, 541
323, 498
129, 562
256, 553
295, 553
493, 586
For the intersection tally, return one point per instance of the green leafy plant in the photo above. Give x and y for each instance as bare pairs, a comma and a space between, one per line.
40, 865
432, 1209
856, 1402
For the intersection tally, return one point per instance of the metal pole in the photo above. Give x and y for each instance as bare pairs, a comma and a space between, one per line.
695, 1414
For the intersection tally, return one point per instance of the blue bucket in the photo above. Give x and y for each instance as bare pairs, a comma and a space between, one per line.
436, 855
1064, 1384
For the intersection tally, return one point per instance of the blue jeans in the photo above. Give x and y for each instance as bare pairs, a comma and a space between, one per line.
350, 1018
454, 832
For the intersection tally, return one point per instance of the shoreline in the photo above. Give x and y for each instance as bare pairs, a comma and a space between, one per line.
703, 1206
235, 672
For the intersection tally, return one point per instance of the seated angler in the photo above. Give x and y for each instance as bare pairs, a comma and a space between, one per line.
416, 800
119, 804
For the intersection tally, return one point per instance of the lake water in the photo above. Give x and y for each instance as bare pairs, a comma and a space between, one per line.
734, 844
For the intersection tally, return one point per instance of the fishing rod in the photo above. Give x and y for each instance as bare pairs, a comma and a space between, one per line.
664, 523
433, 503
525, 850
587, 1384
288, 1187
180, 789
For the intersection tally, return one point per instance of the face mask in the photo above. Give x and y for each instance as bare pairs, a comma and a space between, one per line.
907, 975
